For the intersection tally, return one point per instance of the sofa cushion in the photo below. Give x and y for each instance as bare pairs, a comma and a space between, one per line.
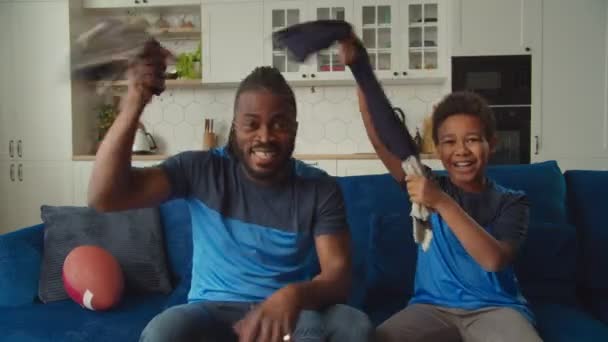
588, 206
20, 254
66, 321
543, 184
134, 238
391, 265
365, 196
546, 264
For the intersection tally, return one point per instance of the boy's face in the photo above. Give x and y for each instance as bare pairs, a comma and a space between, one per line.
265, 129
464, 150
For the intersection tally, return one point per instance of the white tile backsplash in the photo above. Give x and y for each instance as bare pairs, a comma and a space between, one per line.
329, 119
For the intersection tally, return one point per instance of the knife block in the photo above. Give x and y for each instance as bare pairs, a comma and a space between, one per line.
209, 141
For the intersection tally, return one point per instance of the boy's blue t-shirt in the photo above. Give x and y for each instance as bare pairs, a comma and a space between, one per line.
251, 240
446, 275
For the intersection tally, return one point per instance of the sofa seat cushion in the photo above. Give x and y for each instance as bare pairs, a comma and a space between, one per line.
588, 204
67, 321
561, 323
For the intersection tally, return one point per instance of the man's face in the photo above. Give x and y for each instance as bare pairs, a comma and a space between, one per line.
464, 150
265, 129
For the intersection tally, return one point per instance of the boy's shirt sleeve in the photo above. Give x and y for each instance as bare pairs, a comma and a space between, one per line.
512, 221
331, 213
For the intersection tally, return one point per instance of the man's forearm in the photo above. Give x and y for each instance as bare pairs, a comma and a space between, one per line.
321, 292
112, 167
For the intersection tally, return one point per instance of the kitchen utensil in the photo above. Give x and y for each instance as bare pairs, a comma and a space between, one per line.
144, 142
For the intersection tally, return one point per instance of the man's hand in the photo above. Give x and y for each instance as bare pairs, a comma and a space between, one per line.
146, 75
273, 319
347, 51
425, 191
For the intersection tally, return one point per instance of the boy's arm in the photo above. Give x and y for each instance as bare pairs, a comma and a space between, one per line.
490, 253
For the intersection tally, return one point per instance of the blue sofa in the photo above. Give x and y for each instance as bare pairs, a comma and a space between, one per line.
561, 267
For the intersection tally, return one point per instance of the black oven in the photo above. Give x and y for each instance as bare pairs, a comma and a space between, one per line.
505, 82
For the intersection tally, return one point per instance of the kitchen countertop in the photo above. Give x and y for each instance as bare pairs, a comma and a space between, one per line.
352, 156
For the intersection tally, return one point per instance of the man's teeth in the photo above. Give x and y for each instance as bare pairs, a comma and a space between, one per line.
264, 155
463, 164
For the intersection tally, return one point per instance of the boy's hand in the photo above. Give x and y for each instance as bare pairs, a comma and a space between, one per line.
273, 319
347, 52
424, 191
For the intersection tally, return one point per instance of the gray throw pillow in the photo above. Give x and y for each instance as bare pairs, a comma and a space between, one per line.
133, 237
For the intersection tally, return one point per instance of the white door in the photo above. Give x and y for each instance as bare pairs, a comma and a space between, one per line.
41, 183
42, 82
379, 29
495, 27
574, 100
326, 64
7, 109
233, 36
278, 15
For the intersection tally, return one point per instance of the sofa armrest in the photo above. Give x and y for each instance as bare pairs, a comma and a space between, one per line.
20, 257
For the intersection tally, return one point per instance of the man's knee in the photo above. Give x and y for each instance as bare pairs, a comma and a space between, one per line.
344, 323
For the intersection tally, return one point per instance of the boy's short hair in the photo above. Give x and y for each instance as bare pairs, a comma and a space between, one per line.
464, 102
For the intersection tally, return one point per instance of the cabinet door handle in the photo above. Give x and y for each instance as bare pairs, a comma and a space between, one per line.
404, 73
313, 75
20, 172
536, 144
528, 49
395, 73
303, 75
11, 150
19, 149
137, 2
12, 172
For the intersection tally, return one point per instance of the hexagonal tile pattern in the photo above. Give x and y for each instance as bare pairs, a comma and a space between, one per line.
204, 96
427, 93
415, 110
184, 137
347, 111
402, 93
153, 113
365, 146
347, 146
338, 94
327, 147
216, 110
335, 131
356, 130
194, 113
324, 111
163, 135
304, 109
310, 131
183, 96
311, 95
173, 113
225, 96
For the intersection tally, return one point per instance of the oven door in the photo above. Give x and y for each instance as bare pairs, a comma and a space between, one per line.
513, 135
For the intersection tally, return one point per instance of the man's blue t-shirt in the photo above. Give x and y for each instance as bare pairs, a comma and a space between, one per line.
446, 275
251, 240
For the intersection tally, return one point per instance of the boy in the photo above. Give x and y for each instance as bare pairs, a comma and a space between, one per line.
465, 286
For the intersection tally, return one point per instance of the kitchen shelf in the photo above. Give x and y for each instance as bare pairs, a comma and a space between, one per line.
176, 34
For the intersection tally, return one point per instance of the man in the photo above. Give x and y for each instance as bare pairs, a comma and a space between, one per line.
257, 220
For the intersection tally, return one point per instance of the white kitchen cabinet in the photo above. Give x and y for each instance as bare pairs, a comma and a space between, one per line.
574, 123
137, 3
325, 65
36, 110
41, 84
496, 27
7, 111
360, 167
404, 39
232, 36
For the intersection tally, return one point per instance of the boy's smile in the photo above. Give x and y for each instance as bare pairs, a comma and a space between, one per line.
464, 150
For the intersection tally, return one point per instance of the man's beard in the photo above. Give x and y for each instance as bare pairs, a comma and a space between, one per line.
242, 156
